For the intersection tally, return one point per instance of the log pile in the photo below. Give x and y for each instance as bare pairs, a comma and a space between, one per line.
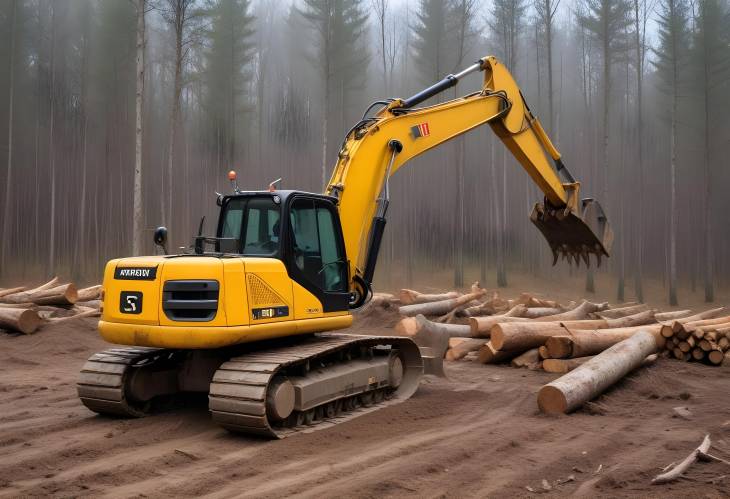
590, 344
705, 340
25, 310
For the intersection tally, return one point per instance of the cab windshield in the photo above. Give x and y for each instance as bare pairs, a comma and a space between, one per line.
255, 222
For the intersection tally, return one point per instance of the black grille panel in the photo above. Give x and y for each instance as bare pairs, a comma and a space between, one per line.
191, 301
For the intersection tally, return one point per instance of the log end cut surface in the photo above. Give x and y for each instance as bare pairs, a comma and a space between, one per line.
551, 400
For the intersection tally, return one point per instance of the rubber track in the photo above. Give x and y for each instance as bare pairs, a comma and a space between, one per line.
237, 398
103, 378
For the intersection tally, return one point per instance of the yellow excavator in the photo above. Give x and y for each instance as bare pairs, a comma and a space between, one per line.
246, 316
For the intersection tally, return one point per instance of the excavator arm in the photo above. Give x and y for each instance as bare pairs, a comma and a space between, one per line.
379, 145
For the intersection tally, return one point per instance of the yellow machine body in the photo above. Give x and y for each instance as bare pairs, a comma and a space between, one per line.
245, 284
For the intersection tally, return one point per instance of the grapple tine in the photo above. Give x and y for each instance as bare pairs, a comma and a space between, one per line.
586, 256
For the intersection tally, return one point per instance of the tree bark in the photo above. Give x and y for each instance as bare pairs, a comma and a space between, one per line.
574, 389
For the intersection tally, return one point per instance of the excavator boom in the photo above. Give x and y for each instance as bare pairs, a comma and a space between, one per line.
381, 144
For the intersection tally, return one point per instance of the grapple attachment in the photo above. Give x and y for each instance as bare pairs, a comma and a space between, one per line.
575, 232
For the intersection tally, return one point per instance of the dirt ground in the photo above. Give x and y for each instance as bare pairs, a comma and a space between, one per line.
476, 434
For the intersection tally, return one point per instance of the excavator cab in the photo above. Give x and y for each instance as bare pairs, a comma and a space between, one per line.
301, 229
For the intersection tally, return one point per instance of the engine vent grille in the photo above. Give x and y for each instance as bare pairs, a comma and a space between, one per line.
261, 294
191, 301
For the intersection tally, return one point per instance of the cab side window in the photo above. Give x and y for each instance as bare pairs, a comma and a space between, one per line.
315, 243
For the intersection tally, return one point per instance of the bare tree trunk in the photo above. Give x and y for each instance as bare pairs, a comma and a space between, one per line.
639, 260
51, 146
137, 217
707, 198
179, 25
673, 202
8, 177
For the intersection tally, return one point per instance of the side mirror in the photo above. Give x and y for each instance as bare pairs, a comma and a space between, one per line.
160, 238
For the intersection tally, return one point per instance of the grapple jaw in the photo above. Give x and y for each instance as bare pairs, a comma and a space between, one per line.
576, 231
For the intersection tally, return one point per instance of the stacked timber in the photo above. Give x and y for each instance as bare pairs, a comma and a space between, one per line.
24, 310
591, 345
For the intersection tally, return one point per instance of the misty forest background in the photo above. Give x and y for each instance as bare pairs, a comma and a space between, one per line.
117, 116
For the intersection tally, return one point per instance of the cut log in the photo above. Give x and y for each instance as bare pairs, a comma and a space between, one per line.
527, 359
543, 351
488, 355
17, 305
521, 336
455, 341
670, 316
579, 312
716, 357
60, 295
584, 383
50, 284
462, 349
18, 319
94, 292
525, 335
439, 307
724, 343
90, 303
706, 345
412, 326
533, 302
10, 291
535, 312
409, 296
481, 326
562, 366
617, 313
582, 343
698, 353
677, 471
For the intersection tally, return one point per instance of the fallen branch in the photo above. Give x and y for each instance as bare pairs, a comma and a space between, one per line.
677, 471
